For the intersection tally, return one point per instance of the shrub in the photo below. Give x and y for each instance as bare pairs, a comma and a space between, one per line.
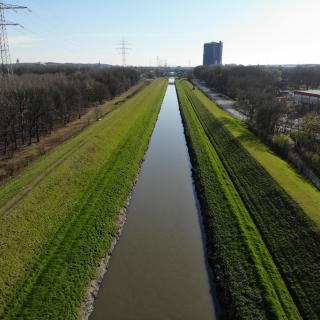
283, 143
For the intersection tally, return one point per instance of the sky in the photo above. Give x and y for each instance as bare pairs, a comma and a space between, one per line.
253, 31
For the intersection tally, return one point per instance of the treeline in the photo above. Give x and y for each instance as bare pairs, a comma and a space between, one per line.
302, 77
255, 88
273, 116
38, 100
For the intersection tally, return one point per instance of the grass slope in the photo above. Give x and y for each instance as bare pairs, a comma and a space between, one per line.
302, 191
279, 240
64, 208
23, 157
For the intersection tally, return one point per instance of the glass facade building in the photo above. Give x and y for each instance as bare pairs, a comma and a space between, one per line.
212, 53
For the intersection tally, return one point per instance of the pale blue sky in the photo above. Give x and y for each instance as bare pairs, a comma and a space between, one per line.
253, 31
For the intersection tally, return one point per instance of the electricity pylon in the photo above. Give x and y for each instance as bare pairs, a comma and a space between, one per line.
6, 67
123, 48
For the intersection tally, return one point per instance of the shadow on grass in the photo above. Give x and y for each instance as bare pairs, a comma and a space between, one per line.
244, 134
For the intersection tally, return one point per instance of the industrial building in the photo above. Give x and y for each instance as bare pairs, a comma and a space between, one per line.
212, 53
308, 96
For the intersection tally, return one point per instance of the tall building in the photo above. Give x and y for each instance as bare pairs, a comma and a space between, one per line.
212, 53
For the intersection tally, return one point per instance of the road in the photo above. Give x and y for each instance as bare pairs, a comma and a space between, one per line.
223, 101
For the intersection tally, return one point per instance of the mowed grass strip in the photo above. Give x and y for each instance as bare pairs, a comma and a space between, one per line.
301, 190
53, 239
292, 238
250, 285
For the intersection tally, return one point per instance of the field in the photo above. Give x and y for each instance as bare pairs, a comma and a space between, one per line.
59, 216
262, 245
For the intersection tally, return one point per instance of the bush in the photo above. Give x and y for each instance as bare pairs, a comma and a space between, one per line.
315, 160
283, 143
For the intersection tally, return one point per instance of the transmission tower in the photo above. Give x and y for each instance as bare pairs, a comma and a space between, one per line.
124, 50
6, 68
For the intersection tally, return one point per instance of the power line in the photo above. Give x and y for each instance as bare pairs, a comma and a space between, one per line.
6, 67
54, 28
49, 31
63, 45
124, 50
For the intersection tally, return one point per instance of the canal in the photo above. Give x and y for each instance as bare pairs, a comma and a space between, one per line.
158, 269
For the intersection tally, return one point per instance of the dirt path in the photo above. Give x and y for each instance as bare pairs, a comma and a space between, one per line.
61, 135
23, 157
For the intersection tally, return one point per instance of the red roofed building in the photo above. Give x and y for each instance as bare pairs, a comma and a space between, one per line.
308, 96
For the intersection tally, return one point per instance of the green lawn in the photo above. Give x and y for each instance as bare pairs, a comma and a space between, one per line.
58, 217
302, 191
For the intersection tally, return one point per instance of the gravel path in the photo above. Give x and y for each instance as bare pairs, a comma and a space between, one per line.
224, 102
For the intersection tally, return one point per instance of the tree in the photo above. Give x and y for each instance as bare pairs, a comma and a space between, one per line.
308, 133
41, 97
268, 117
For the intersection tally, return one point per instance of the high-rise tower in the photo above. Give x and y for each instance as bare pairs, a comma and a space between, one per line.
212, 53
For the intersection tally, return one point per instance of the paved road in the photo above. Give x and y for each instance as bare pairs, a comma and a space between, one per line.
224, 102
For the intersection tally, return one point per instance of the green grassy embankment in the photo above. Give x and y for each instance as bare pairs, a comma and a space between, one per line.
63, 210
262, 246
23, 157
301, 190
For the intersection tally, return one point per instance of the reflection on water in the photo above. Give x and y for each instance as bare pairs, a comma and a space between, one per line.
158, 269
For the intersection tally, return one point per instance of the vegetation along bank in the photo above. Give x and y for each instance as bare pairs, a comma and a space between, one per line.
264, 252
64, 208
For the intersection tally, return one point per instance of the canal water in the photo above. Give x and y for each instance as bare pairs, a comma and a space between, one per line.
158, 269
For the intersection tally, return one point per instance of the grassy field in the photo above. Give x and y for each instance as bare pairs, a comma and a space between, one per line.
59, 216
262, 246
303, 192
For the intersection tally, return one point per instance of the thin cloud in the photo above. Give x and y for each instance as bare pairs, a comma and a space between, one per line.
23, 41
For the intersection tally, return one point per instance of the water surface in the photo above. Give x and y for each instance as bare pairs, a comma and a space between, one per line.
158, 269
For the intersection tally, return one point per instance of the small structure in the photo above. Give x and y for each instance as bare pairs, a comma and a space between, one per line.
308, 96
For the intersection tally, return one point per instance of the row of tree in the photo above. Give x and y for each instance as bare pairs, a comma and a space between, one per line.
254, 87
34, 104
257, 90
302, 77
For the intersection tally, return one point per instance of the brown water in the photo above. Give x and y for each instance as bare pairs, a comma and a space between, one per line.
158, 269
